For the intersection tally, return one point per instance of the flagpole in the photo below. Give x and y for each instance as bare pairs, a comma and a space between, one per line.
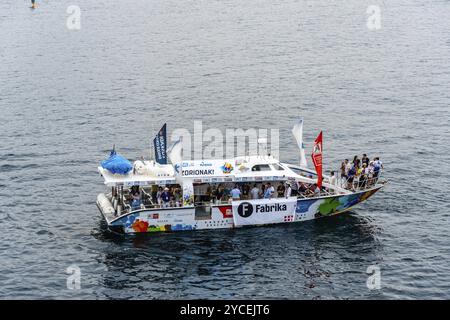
151, 143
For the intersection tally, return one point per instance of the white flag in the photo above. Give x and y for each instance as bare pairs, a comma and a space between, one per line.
174, 152
297, 131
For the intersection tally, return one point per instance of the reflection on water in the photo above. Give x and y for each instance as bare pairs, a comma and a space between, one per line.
237, 263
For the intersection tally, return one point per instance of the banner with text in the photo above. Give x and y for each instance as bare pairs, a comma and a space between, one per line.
206, 168
264, 211
160, 146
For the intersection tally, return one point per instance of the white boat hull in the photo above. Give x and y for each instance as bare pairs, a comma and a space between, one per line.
221, 216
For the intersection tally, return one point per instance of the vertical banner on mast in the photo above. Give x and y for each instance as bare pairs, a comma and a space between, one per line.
160, 145
317, 158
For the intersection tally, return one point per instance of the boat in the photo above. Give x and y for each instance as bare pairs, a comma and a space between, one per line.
198, 192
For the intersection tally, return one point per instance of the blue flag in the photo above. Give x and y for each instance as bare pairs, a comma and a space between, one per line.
160, 145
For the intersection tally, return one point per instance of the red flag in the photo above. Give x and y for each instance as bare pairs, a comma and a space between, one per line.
317, 158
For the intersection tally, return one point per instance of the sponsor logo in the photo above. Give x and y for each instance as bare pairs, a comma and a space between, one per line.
198, 172
271, 207
245, 209
227, 168
187, 164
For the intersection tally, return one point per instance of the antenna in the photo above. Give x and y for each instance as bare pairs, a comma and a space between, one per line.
262, 144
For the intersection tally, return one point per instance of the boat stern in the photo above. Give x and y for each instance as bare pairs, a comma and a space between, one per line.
106, 207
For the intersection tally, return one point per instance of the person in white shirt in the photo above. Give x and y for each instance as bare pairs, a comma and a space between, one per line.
287, 190
377, 162
377, 167
366, 170
333, 178
255, 192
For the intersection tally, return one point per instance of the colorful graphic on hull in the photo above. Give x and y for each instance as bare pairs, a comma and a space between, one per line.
329, 206
226, 211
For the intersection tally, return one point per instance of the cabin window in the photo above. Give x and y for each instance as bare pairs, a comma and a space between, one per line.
277, 167
261, 167
301, 172
203, 212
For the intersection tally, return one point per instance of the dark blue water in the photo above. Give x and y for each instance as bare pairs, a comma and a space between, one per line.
67, 96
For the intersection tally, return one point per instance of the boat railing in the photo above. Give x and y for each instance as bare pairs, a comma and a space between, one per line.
359, 182
319, 193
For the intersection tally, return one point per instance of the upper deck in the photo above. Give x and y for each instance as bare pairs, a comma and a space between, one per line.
255, 168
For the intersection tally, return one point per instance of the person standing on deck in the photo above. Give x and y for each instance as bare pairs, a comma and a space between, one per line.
177, 197
270, 190
158, 196
281, 190
165, 197
135, 198
377, 162
154, 194
365, 159
343, 170
301, 188
294, 187
255, 192
287, 190
245, 191
235, 193
356, 161
333, 179
363, 176
377, 167
348, 167
263, 190
351, 177
370, 170
220, 193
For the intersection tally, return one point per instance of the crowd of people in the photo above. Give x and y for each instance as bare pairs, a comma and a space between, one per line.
163, 197
171, 195
249, 191
241, 191
359, 173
